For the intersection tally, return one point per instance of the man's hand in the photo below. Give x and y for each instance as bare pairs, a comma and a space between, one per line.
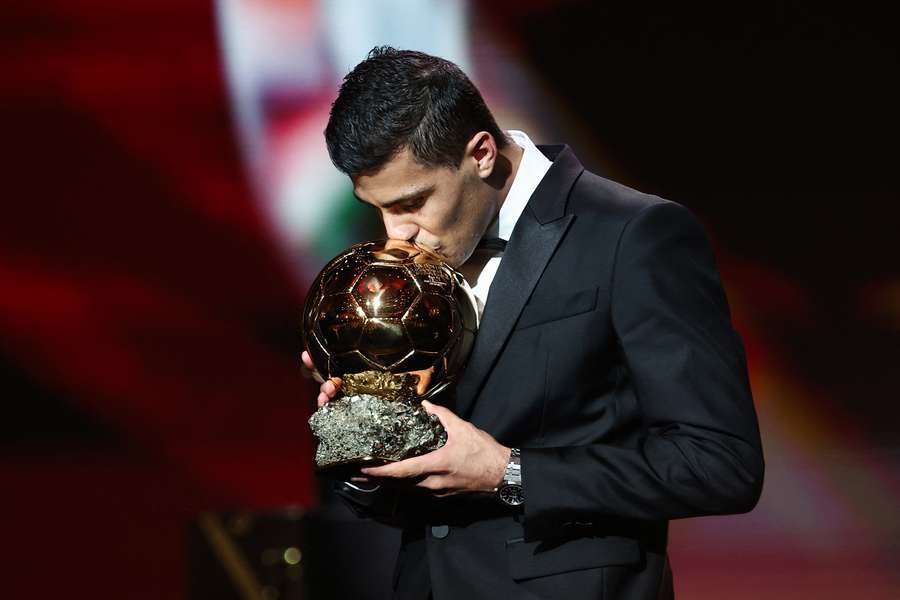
328, 389
470, 461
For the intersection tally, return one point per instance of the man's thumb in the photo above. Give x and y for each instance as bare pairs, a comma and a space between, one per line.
436, 409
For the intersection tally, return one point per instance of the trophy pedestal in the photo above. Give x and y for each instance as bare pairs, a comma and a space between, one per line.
365, 428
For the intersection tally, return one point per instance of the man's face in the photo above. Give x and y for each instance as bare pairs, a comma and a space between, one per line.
443, 209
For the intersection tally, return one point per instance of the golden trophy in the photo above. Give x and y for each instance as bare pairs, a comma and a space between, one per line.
396, 324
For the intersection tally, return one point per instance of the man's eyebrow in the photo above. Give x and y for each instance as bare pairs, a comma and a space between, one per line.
405, 197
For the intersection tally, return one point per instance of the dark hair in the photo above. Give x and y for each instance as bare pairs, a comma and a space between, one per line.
397, 99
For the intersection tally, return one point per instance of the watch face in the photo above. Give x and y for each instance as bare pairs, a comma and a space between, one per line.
512, 495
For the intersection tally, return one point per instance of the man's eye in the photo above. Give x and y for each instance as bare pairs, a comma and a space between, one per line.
411, 206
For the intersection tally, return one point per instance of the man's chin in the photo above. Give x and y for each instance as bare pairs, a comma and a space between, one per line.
454, 261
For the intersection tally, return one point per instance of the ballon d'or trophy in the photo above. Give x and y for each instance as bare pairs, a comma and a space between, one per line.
396, 324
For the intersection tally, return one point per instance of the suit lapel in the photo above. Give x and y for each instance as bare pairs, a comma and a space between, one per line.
535, 237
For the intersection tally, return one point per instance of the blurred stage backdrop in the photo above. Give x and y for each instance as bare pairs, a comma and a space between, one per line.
168, 197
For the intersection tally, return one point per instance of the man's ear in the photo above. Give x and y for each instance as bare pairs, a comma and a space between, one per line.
481, 153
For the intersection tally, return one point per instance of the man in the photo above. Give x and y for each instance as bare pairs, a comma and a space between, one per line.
607, 390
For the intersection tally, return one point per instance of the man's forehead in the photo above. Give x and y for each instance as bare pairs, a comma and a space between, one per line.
402, 163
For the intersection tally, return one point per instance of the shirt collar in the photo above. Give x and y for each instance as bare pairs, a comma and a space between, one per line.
532, 168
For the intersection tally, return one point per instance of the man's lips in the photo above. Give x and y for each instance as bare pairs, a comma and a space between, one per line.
432, 249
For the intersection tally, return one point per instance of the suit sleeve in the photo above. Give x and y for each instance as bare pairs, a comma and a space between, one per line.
699, 452
393, 506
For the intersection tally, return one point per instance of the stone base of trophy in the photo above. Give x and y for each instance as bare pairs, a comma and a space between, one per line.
379, 420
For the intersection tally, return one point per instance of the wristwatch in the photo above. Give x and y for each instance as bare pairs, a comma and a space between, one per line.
510, 491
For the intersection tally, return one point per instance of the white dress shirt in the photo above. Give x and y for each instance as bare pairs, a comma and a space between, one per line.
532, 168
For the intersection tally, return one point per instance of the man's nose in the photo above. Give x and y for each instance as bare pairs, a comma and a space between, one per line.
398, 228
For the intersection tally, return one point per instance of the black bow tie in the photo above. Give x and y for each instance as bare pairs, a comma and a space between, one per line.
495, 244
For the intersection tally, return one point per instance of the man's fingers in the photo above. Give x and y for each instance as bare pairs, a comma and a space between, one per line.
330, 388
445, 494
440, 486
435, 483
411, 467
309, 369
444, 414
394, 470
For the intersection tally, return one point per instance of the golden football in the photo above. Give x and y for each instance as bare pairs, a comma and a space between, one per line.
390, 306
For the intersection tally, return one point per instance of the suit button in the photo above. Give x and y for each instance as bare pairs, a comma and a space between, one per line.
440, 531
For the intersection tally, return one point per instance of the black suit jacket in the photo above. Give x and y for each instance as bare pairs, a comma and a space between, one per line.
606, 353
